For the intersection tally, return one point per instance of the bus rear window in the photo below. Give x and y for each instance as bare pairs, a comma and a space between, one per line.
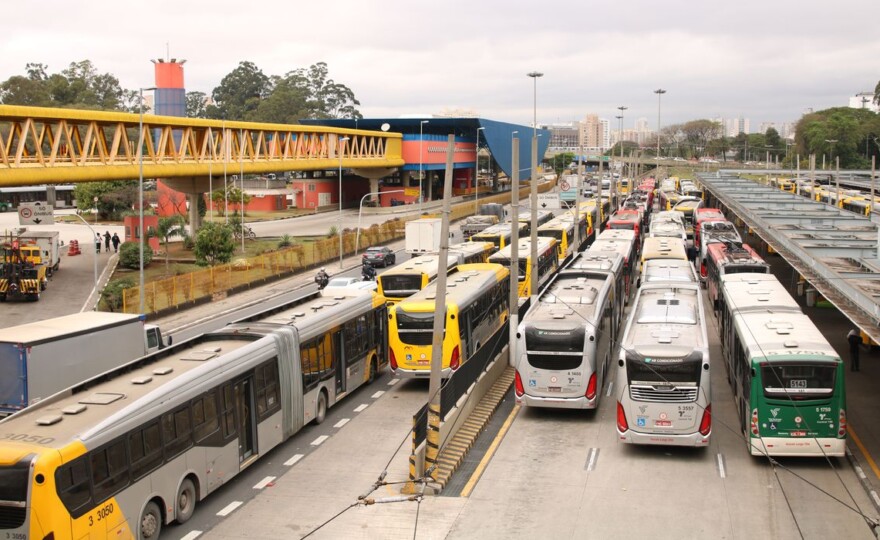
523, 266
798, 381
622, 226
415, 328
555, 340
553, 233
401, 285
663, 370
746, 269
14, 482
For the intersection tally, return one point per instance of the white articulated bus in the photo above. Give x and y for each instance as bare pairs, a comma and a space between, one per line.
565, 342
663, 388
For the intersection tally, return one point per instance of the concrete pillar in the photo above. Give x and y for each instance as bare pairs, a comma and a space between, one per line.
374, 187
195, 220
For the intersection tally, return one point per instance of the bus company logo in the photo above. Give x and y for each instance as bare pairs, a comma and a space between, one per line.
775, 412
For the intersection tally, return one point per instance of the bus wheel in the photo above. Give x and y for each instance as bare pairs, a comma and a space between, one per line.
186, 501
321, 413
372, 369
151, 522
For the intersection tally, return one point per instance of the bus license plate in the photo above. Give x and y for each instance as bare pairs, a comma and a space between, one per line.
798, 433
663, 423
554, 389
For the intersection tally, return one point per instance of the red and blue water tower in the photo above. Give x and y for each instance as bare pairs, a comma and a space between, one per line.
169, 100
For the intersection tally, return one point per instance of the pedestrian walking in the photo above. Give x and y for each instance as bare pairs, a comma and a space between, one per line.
115, 241
107, 241
855, 339
98, 242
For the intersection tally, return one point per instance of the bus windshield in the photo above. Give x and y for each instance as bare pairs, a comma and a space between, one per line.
798, 381
415, 328
401, 285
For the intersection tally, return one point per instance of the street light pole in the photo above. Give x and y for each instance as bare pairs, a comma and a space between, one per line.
339, 228
534, 75
477, 172
141, 234
421, 134
357, 238
620, 142
534, 191
659, 93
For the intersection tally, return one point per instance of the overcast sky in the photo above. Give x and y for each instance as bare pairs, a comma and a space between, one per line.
766, 60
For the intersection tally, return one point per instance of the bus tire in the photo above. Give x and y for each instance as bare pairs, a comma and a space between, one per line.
150, 524
321, 412
185, 503
373, 369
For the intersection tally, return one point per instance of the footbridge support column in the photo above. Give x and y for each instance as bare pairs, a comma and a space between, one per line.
194, 187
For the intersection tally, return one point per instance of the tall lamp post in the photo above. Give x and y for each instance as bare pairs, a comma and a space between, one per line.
614, 182
659, 93
534, 183
339, 232
357, 238
141, 201
477, 172
421, 125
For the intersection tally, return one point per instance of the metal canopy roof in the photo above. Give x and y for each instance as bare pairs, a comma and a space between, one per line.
834, 249
498, 136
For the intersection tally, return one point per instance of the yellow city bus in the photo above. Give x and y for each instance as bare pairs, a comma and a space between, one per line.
561, 228
663, 247
409, 277
470, 252
499, 234
548, 263
476, 308
133, 449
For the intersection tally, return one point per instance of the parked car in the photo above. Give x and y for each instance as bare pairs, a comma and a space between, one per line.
351, 283
379, 256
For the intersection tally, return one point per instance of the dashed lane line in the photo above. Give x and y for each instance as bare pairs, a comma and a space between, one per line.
361, 407
341, 423
320, 440
264, 482
229, 508
392, 382
378, 394
192, 535
292, 461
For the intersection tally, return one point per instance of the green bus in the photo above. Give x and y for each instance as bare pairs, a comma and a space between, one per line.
788, 382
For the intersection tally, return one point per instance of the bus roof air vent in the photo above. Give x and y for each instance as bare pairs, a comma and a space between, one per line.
200, 356
48, 420
102, 398
76, 408
790, 344
142, 380
164, 370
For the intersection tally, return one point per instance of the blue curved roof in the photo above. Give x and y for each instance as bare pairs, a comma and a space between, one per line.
496, 135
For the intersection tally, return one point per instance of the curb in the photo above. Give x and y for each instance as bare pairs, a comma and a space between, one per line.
866, 484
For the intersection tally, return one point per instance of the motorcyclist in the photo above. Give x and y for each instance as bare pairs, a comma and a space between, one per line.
321, 278
368, 273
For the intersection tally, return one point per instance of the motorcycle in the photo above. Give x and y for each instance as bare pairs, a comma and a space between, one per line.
368, 273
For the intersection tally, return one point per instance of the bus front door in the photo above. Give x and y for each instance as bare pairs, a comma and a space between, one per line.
244, 413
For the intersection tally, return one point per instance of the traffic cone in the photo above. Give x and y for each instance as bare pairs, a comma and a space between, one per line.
73, 248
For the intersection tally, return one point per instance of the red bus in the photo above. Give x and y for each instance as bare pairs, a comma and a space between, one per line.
705, 214
628, 220
730, 258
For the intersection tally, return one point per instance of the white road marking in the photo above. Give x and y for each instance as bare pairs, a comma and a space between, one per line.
341, 422
721, 470
361, 407
392, 382
860, 473
264, 482
229, 508
610, 385
292, 461
592, 458
192, 535
320, 439
378, 394
876, 499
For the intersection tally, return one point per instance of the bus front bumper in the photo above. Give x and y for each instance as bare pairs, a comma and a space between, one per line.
580, 402
797, 446
667, 439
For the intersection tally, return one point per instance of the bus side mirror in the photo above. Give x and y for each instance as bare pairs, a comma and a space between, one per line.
620, 362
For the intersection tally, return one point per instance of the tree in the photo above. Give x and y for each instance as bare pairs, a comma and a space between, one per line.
213, 244
852, 129
327, 98
697, 135
167, 228
130, 255
114, 198
196, 105
232, 196
877, 93
239, 93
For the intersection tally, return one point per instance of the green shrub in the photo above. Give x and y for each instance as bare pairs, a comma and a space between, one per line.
111, 295
286, 241
129, 255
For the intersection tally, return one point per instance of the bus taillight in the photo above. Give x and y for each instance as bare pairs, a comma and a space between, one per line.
706, 422
841, 430
455, 361
518, 385
755, 430
591, 387
622, 426
392, 360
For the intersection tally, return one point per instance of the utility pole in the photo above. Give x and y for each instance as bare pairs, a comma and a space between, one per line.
433, 435
514, 250
534, 224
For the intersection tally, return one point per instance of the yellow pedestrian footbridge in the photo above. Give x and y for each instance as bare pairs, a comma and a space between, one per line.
52, 146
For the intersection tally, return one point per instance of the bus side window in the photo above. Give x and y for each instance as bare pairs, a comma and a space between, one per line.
109, 470
145, 445
266, 385
206, 419
176, 432
72, 483
228, 412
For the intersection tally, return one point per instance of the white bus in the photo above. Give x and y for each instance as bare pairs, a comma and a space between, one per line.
565, 342
668, 271
663, 388
605, 262
623, 242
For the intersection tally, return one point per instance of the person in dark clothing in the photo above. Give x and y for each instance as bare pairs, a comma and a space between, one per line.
115, 241
107, 241
855, 340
